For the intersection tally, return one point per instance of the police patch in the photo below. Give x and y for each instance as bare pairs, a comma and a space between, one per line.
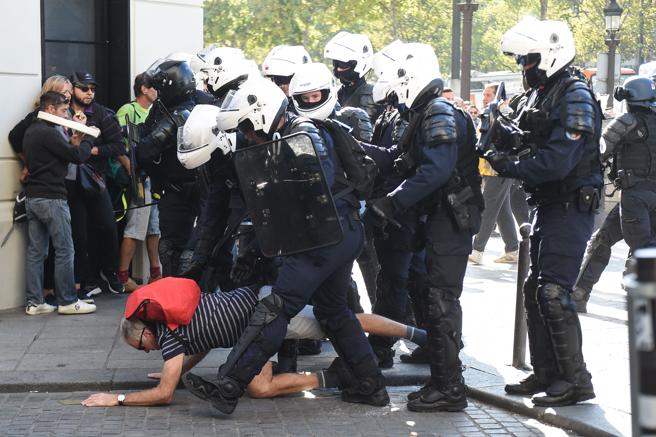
573, 136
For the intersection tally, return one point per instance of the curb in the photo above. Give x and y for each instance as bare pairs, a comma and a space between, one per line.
541, 414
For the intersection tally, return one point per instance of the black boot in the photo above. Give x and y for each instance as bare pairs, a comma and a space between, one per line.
527, 387
385, 357
451, 397
370, 391
223, 394
418, 356
563, 393
341, 373
307, 346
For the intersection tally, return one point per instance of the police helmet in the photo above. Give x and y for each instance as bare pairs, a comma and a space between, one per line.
637, 91
352, 55
314, 78
173, 79
258, 105
225, 68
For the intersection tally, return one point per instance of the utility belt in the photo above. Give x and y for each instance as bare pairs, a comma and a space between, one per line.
627, 179
586, 199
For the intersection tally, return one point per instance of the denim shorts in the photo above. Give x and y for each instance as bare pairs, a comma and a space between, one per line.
141, 222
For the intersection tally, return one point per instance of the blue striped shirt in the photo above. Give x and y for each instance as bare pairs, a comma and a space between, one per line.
218, 322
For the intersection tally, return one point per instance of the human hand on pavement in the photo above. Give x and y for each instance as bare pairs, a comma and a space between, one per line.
101, 400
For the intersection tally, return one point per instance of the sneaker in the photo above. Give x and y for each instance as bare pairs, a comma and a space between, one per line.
476, 257
508, 258
113, 283
42, 308
91, 290
131, 285
78, 307
84, 296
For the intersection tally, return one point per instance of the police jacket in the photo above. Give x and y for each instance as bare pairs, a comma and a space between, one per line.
360, 95
440, 141
388, 131
565, 121
157, 149
631, 140
358, 120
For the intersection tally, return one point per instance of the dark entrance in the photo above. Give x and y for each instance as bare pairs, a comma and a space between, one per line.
89, 35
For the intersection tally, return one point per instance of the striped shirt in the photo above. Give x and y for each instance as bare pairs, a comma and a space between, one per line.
218, 322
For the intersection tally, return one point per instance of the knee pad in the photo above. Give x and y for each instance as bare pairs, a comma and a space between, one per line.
554, 301
267, 310
439, 304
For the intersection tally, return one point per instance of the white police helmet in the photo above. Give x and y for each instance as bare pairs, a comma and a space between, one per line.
314, 77
224, 68
354, 48
551, 40
258, 104
199, 137
382, 60
283, 60
411, 68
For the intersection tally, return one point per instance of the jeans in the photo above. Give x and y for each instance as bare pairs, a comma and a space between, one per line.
49, 218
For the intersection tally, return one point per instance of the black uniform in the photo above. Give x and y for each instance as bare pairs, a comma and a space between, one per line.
564, 179
439, 166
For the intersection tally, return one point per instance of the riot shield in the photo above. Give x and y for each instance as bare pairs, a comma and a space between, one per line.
287, 196
136, 181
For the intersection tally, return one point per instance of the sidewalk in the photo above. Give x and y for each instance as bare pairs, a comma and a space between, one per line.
79, 353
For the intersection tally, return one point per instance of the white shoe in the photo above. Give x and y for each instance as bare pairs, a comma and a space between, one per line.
42, 308
79, 307
476, 257
508, 258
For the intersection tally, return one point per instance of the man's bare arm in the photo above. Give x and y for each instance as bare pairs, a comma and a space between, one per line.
162, 394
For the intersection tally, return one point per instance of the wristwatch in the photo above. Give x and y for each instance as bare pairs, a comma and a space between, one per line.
121, 399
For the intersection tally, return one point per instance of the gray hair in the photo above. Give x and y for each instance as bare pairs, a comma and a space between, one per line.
132, 329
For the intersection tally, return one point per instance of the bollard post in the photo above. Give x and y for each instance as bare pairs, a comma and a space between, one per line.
519, 339
641, 293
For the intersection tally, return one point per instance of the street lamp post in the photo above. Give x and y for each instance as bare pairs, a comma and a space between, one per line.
467, 9
612, 14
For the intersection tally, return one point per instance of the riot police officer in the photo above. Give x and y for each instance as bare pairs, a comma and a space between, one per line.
281, 62
258, 109
437, 161
156, 153
563, 177
630, 142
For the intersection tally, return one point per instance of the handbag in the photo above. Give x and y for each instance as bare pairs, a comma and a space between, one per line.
91, 182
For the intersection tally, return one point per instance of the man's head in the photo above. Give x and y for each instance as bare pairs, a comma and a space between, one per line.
136, 334
352, 55
143, 88
489, 93
473, 111
54, 103
448, 94
281, 64
84, 88
314, 91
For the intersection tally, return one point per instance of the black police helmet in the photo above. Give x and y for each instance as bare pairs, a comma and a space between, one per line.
637, 91
174, 81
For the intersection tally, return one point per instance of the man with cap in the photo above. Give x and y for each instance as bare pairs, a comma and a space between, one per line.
97, 257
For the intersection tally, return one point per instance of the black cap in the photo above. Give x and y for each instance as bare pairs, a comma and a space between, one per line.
82, 78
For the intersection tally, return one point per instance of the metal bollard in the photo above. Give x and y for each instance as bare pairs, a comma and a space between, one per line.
641, 292
519, 339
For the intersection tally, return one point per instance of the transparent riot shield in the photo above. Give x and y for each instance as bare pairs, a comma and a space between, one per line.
287, 196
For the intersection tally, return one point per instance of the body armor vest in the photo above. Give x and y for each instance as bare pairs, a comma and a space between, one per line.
536, 117
638, 150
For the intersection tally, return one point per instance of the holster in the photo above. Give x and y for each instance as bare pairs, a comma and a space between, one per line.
588, 199
458, 195
625, 179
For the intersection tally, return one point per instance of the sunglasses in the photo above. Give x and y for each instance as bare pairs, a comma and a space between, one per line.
85, 89
140, 347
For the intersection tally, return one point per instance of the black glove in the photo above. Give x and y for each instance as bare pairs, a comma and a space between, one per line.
499, 161
194, 271
245, 269
377, 215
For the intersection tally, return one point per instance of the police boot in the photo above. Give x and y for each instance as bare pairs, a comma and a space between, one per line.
563, 393
385, 356
342, 373
436, 396
223, 394
418, 356
370, 391
308, 346
536, 382
287, 355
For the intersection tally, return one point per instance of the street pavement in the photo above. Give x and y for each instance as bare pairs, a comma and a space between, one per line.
55, 355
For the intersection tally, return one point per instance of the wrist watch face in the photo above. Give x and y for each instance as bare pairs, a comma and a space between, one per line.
121, 398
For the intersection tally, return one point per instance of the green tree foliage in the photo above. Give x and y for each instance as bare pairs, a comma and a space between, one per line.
257, 25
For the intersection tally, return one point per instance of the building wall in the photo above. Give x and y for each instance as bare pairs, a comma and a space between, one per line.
160, 27
20, 75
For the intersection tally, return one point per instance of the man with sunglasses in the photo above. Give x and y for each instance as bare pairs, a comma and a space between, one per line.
94, 228
563, 177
